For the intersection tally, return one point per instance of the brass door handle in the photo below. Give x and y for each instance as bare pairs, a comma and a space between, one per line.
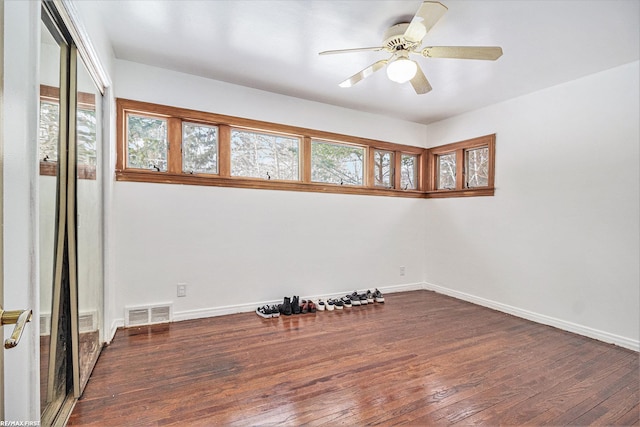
17, 317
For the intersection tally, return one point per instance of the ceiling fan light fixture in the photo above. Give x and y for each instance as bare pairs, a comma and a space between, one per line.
402, 70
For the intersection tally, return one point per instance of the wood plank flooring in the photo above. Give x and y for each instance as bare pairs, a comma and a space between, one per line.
419, 359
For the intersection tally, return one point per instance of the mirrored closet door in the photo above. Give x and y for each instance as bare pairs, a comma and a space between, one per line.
70, 220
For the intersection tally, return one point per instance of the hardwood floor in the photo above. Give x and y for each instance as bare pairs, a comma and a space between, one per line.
420, 359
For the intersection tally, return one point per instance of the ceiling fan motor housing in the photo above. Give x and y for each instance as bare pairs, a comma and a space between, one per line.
394, 37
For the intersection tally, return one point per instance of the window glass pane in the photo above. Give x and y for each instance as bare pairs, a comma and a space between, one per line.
86, 131
477, 167
383, 168
48, 138
146, 143
199, 148
337, 163
447, 171
264, 155
409, 172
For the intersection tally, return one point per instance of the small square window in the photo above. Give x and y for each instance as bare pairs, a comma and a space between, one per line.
383, 168
476, 167
446, 171
199, 148
146, 143
409, 172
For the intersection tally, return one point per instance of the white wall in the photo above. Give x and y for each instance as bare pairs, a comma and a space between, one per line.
237, 247
559, 242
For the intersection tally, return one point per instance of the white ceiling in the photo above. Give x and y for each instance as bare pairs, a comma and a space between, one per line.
273, 46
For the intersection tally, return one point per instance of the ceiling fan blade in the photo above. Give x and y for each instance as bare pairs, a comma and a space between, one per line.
358, 49
490, 53
420, 83
429, 13
364, 73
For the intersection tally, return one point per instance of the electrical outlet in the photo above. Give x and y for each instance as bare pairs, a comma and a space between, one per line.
182, 289
402, 270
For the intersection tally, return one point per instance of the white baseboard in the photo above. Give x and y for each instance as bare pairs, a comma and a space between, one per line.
539, 318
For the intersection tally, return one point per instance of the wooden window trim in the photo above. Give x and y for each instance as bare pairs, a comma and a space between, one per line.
174, 175
459, 148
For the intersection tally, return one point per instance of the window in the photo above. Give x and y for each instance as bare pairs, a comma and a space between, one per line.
465, 168
147, 142
199, 148
264, 155
48, 134
446, 171
383, 164
164, 144
409, 172
337, 163
477, 167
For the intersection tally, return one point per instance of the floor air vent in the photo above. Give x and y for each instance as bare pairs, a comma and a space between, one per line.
147, 315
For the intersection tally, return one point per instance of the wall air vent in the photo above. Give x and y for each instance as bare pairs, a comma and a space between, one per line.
148, 315
88, 322
45, 324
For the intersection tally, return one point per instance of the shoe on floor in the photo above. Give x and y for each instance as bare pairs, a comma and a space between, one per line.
275, 312
321, 305
295, 305
363, 299
285, 307
330, 305
339, 305
378, 296
355, 299
312, 306
304, 307
347, 302
370, 297
264, 311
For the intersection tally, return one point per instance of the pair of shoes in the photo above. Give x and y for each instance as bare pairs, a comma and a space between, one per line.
268, 312
337, 303
378, 296
307, 307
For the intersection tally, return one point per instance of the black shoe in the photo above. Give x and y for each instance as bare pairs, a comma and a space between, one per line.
355, 299
275, 312
285, 308
370, 297
295, 305
264, 311
347, 302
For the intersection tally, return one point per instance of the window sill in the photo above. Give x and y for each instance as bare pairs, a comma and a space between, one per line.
467, 192
217, 181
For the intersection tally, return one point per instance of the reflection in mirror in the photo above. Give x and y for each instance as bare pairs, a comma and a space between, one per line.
89, 222
48, 138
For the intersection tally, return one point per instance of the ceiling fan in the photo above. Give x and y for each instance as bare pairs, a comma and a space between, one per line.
404, 39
